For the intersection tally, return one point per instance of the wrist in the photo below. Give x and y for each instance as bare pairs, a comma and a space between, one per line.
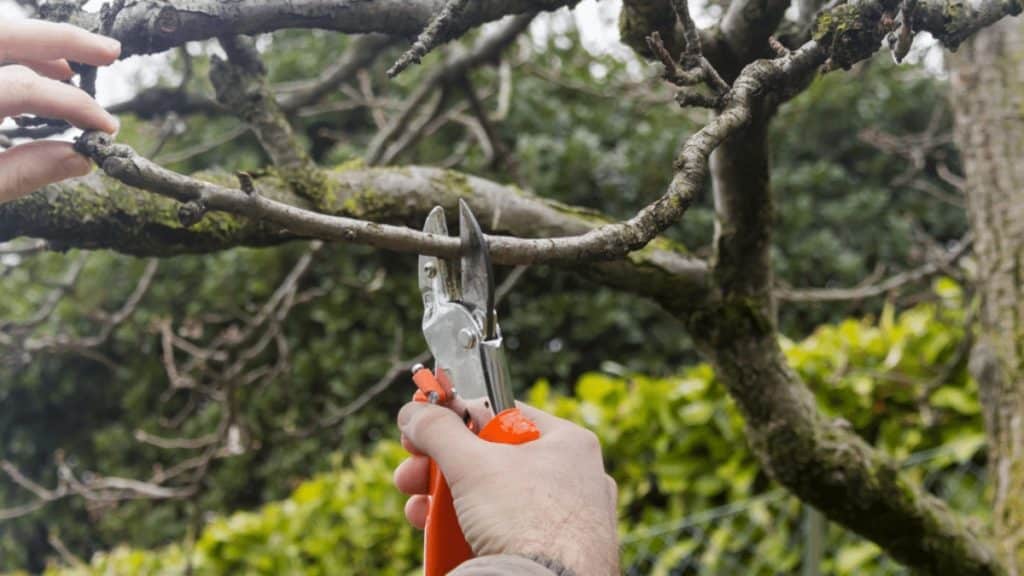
576, 556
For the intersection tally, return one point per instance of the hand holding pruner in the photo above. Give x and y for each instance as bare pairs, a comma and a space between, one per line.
470, 374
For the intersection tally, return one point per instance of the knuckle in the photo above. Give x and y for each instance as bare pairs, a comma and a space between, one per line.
427, 422
20, 83
20, 79
588, 440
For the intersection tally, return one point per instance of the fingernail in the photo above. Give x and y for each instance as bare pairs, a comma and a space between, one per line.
116, 122
406, 413
112, 45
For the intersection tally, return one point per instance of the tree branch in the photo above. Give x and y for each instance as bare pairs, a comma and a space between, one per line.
821, 461
156, 102
873, 289
151, 26
241, 86
605, 242
747, 25
485, 50
360, 54
440, 30
97, 212
292, 97
849, 32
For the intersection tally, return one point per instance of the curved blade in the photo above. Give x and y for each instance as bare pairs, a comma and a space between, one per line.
477, 274
436, 279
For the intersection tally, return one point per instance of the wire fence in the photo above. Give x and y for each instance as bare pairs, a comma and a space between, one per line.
773, 533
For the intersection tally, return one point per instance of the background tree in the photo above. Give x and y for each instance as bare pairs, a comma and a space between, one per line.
986, 86
230, 409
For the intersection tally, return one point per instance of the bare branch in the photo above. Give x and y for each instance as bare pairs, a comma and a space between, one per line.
440, 30
484, 51
241, 86
362, 52
874, 289
150, 26
401, 196
49, 305
398, 372
499, 153
294, 98
203, 147
21, 480
54, 540
607, 242
155, 102
23, 345
176, 443
23, 248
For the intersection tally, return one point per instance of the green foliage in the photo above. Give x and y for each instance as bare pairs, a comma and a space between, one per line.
845, 208
346, 519
674, 445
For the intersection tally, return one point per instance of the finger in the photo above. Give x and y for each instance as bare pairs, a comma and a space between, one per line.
546, 423
25, 92
31, 166
413, 475
409, 447
41, 40
416, 509
56, 69
440, 433
613, 496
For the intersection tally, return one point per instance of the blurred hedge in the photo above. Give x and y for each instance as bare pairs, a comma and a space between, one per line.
675, 446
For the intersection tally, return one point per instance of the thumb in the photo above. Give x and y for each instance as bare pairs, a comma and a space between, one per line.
28, 167
441, 434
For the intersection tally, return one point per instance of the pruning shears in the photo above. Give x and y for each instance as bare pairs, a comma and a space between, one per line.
470, 372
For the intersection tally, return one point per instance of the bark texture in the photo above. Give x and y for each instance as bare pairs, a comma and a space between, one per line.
822, 462
152, 26
98, 212
988, 94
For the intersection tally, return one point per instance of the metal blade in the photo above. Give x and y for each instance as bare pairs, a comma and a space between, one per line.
437, 282
477, 273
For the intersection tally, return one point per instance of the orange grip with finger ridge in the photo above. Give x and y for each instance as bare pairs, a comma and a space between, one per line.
445, 547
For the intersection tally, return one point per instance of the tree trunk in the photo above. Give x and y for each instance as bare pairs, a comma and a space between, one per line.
988, 95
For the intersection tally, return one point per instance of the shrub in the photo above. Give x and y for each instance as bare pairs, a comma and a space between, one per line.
674, 445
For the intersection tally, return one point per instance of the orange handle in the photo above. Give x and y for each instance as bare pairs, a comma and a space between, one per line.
445, 547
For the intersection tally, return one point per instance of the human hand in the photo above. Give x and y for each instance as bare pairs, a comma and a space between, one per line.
33, 61
548, 498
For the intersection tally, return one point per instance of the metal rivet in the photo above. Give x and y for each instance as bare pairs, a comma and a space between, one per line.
431, 269
466, 338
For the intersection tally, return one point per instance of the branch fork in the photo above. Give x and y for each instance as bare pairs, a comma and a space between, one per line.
691, 69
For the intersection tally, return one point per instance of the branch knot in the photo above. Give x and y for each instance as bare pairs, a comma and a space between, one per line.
191, 212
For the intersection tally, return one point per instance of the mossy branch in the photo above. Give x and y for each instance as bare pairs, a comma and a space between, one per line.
99, 212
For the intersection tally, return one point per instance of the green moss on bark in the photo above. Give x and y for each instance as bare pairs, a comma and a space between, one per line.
852, 32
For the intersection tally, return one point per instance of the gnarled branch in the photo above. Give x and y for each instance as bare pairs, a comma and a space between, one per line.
151, 26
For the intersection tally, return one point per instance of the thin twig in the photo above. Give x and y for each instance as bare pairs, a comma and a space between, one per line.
441, 29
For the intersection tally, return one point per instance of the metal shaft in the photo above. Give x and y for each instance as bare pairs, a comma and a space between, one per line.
497, 378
